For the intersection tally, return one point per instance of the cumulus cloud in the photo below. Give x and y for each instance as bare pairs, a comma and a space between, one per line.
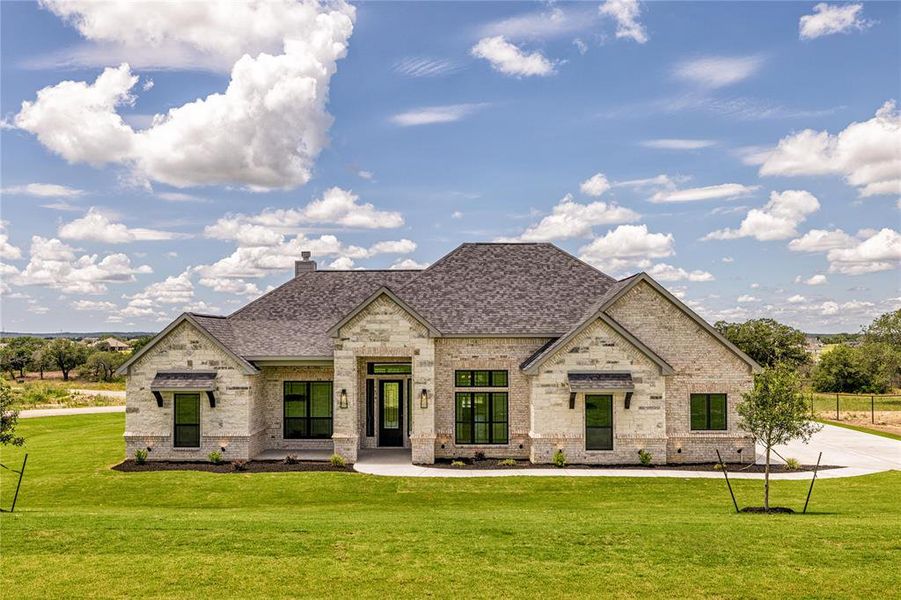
747, 299
569, 219
54, 264
595, 185
429, 115
97, 227
158, 298
408, 263
235, 287
263, 132
628, 246
828, 19
866, 154
7, 250
43, 190
812, 280
507, 58
880, 251
796, 299
777, 220
625, 13
665, 272
710, 192
93, 305
821, 240
717, 71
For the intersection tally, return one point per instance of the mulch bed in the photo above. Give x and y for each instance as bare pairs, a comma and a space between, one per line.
492, 464
254, 466
772, 510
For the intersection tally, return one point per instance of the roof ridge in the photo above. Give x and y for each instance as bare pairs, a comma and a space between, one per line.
205, 315
580, 261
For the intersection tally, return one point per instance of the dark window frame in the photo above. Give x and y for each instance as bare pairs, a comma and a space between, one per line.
401, 368
588, 427
708, 421
490, 423
176, 425
308, 419
493, 376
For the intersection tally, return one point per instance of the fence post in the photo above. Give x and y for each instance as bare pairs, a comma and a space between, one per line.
873, 409
837, 418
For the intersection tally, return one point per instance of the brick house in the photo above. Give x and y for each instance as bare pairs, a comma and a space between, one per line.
514, 350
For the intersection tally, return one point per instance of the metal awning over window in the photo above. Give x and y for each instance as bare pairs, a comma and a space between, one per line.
188, 381
600, 381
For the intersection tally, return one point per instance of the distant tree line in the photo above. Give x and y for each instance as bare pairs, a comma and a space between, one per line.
38, 355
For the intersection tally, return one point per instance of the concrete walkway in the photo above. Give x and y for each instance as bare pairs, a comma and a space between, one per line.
858, 453
65, 412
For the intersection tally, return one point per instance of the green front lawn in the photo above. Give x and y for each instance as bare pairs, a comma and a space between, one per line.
82, 530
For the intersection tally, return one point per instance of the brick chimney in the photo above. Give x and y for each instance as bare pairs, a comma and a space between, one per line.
305, 265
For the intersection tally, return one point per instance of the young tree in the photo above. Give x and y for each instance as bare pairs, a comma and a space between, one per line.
66, 355
775, 413
767, 341
8, 417
40, 360
101, 365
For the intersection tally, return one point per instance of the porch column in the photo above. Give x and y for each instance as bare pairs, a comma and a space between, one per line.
422, 436
345, 422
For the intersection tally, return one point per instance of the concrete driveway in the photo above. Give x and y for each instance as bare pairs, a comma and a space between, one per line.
844, 447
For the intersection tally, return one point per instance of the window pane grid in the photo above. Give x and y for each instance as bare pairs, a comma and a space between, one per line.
480, 378
598, 422
708, 412
186, 409
307, 409
481, 418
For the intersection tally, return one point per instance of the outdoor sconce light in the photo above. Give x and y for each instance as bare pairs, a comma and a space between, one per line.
628, 399
212, 398
159, 398
342, 402
572, 400
221, 448
149, 448
424, 399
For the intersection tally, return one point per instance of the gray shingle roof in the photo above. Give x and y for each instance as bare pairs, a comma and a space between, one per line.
495, 289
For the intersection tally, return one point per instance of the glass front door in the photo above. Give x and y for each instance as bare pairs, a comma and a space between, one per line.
391, 404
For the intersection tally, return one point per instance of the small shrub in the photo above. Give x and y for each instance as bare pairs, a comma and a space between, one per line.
718, 466
458, 463
140, 456
479, 455
507, 462
239, 465
215, 457
792, 464
291, 459
337, 460
560, 458
644, 457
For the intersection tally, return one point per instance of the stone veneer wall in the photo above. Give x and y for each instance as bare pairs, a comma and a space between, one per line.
270, 406
148, 425
383, 329
702, 364
483, 353
556, 426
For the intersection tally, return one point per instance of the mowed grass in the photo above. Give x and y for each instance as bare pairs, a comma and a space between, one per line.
82, 530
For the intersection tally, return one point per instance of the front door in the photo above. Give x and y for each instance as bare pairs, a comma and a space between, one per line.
391, 404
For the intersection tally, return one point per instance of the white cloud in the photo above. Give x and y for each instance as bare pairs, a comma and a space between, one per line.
43, 190
54, 264
237, 287
828, 19
777, 220
625, 13
367, 175
429, 115
507, 58
408, 263
403, 246
569, 219
97, 227
812, 280
796, 299
820, 240
421, 66
665, 272
7, 250
180, 197
881, 251
264, 131
342, 263
628, 246
718, 71
93, 305
866, 154
747, 299
710, 192
595, 185
677, 144
541, 25
727, 259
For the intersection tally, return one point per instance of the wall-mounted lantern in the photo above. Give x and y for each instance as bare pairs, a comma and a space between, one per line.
342, 399
424, 399
572, 400
628, 399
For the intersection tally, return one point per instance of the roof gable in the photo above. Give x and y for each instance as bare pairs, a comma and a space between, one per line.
382, 291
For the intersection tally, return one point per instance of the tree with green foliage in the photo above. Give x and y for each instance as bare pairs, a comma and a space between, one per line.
138, 343
767, 341
16, 354
881, 351
841, 370
9, 417
66, 355
100, 366
775, 413
40, 360
885, 329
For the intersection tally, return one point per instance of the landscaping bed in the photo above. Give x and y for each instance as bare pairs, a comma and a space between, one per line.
494, 464
253, 466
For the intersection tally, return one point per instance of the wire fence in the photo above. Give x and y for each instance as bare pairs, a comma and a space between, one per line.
883, 409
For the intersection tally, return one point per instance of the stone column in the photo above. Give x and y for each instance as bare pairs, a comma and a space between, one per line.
345, 426
422, 437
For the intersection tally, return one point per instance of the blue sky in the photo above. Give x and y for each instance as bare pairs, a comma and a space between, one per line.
747, 155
